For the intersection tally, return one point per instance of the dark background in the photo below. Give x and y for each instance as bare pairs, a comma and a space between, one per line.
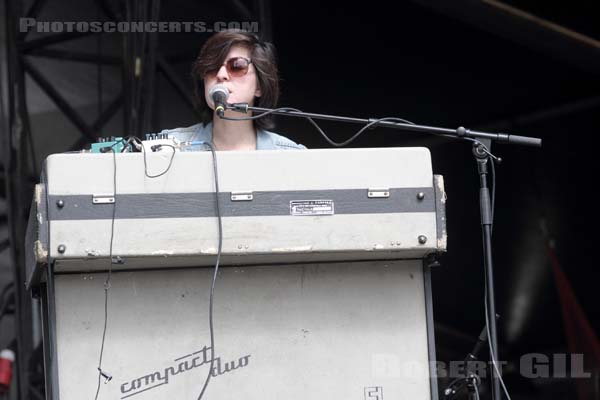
450, 64
415, 62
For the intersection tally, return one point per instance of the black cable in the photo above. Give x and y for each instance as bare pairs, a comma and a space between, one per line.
109, 275
219, 249
212, 287
158, 146
494, 361
449, 391
371, 124
106, 149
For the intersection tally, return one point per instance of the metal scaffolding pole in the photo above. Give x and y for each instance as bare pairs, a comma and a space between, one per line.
18, 182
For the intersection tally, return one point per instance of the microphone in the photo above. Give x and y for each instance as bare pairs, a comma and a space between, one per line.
219, 94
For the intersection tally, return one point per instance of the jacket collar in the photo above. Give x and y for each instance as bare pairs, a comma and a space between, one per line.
263, 140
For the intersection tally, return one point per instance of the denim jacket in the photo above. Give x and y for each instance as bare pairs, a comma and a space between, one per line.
265, 140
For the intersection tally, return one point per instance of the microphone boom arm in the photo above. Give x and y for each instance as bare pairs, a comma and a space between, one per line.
460, 132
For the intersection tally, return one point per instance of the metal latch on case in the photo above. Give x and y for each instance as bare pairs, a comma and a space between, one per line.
378, 193
103, 199
241, 196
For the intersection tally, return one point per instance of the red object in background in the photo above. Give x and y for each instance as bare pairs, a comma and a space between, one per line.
581, 337
7, 357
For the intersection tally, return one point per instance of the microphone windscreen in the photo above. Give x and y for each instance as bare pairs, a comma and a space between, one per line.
219, 90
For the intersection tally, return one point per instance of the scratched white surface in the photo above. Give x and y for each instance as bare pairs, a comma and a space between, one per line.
318, 169
311, 331
284, 235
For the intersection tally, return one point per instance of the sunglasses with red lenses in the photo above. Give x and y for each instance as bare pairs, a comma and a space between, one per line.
236, 66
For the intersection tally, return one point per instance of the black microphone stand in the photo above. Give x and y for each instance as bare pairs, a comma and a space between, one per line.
471, 379
481, 151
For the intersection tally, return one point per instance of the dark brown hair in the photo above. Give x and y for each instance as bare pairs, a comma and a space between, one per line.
263, 56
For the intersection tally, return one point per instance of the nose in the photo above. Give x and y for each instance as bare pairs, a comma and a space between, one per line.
222, 74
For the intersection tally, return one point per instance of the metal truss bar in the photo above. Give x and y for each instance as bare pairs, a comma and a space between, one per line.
525, 29
27, 123
109, 11
52, 39
263, 11
75, 56
106, 115
179, 58
33, 12
162, 65
174, 80
35, 9
517, 13
241, 9
60, 102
